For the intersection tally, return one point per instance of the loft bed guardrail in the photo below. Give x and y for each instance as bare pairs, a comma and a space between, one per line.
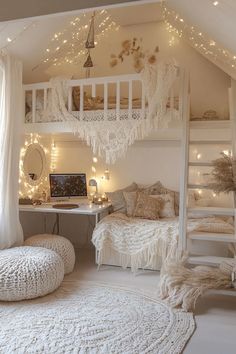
98, 98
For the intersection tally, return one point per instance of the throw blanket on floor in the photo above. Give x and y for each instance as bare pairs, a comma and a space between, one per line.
141, 243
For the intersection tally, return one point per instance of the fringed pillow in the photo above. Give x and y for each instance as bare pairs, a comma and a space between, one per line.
147, 207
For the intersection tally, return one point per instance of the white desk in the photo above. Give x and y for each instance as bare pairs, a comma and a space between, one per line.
85, 208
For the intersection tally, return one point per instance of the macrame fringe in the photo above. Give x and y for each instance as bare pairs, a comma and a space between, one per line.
111, 138
150, 257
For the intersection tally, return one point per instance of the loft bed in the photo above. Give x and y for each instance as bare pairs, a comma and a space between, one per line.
103, 98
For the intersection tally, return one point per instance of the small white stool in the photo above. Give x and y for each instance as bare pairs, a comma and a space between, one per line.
58, 244
29, 272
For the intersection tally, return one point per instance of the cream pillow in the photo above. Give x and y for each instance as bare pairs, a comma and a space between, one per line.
130, 199
147, 207
117, 198
215, 225
167, 205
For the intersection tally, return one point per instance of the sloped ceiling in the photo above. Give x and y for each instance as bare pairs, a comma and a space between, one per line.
215, 21
28, 38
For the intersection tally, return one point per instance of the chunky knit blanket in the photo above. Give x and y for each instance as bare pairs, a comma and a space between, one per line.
140, 243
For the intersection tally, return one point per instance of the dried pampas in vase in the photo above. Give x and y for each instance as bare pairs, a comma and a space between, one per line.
223, 175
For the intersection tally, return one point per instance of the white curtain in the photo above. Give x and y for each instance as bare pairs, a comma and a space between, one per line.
10, 133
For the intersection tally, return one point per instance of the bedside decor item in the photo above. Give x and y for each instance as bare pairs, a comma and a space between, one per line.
97, 200
61, 245
223, 174
93, 183
29, 272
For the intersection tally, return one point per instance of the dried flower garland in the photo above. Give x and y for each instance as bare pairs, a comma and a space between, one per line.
223, 175
133, 47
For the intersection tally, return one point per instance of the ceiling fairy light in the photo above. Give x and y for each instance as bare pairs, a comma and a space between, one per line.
67, 46
178, 26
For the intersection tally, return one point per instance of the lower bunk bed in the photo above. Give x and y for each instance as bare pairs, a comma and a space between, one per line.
140, 243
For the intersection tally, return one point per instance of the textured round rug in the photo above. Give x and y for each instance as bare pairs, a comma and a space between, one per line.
84, 317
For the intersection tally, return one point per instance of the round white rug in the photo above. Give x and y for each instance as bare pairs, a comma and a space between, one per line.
93, 318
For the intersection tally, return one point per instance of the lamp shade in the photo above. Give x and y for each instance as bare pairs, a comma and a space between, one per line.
92, 182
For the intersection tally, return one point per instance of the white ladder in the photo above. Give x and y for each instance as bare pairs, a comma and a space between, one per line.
188, 126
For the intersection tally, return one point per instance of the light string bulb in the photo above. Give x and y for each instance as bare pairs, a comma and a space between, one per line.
177, 26
68, 45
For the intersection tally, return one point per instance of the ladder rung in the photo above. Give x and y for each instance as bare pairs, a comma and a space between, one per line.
210, 142
207, 164
198, 186
208, 236
207, 260
212, 211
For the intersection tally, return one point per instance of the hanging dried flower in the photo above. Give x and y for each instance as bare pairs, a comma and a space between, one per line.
134, 48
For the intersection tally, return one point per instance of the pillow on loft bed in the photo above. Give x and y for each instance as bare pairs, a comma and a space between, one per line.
117, 198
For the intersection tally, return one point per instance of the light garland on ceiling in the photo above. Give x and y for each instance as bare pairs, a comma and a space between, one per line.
68, 45
11, 40
177, 26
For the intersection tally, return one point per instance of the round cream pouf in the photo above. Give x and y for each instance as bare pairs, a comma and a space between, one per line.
59, 244
29, 272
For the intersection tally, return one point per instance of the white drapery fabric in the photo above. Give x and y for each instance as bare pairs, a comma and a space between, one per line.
10, 126
110, 135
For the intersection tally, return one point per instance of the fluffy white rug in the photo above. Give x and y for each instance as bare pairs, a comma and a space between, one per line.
85, 317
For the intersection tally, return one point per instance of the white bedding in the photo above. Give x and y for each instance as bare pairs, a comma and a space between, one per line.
142, 243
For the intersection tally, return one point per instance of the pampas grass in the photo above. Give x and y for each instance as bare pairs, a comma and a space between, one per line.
223, 175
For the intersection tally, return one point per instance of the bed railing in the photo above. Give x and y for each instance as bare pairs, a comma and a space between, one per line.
133, 88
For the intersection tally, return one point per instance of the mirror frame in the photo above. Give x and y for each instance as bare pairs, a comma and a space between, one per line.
29, 149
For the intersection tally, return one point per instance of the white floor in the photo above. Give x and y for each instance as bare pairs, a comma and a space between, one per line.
215, 314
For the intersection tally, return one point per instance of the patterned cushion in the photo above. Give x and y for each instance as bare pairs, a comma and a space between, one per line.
158, 188
117, 198
147, 207
130, 199
167, 205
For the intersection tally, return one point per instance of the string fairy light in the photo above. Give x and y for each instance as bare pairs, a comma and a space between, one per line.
11, 40
177, 26
29, 189
68, 45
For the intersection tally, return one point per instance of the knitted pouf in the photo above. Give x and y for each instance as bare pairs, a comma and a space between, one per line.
29, 272
59, 244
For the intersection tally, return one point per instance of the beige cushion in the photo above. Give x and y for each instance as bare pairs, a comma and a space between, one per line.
167, 205
147, 207
117, 198
152, 189
158, 188
130, 199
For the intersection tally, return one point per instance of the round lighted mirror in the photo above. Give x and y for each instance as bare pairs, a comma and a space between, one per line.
34, 163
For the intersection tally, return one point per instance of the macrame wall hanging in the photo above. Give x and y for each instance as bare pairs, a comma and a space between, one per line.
110, 135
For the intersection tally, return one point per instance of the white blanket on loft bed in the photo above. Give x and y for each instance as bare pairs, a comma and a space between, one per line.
143, 243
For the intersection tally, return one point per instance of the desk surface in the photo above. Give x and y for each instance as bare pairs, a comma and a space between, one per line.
84, 208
